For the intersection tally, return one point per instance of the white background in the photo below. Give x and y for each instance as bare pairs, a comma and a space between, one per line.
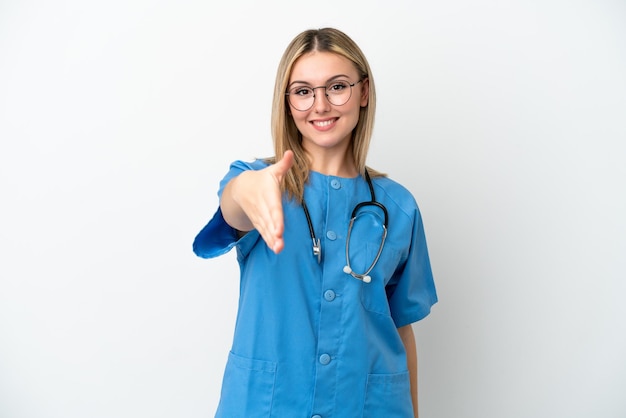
506, 119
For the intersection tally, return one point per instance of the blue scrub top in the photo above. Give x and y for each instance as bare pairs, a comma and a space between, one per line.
311, 340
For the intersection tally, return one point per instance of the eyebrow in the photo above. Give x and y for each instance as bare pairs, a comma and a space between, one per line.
335, 77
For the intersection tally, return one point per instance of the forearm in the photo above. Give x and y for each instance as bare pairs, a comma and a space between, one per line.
408, 339
231, 210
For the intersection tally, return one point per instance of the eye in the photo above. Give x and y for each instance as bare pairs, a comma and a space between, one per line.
301, 91
338, 86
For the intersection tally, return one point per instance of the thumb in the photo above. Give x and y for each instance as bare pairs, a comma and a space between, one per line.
282, 166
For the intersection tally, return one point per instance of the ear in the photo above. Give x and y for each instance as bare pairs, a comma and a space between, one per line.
365, 92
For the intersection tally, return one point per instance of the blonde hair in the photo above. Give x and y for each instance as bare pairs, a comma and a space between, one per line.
284, 131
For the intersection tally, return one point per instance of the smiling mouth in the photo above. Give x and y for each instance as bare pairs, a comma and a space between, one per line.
323, 123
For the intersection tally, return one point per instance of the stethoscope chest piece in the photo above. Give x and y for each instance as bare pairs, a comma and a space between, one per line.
317, 249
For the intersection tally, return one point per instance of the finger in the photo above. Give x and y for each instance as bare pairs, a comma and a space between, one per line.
274, 242
278, 227
272, 239
267, 216
283, 165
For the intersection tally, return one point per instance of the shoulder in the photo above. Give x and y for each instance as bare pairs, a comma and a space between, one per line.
240, 165
393, 193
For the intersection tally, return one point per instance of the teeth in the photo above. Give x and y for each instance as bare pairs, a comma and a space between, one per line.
323, 123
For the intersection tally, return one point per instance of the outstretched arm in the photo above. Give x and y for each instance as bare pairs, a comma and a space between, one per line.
253, 200
408, 339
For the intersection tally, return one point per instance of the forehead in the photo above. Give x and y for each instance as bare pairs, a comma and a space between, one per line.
319, 67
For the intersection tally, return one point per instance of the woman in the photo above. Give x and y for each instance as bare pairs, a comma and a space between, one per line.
332, 254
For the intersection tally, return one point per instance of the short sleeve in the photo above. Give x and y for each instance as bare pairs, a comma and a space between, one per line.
217, 237
412, 292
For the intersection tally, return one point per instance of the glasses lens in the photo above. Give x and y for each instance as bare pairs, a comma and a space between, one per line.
339, 92
301, 98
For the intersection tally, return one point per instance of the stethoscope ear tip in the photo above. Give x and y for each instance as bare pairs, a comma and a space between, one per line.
366, 278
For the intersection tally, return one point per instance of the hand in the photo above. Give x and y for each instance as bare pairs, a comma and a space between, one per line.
258, 195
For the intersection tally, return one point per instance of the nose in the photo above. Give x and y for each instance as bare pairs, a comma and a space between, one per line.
320, 103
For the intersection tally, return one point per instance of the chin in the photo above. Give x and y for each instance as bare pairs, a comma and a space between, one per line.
325, 142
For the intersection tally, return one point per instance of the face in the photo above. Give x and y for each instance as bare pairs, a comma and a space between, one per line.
326, 126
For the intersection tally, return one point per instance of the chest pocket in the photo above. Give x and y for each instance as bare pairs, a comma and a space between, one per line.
374, 294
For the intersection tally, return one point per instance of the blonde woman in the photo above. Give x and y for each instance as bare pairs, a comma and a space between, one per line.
334, 266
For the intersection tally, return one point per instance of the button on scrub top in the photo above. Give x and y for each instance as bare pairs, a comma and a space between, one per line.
311, 340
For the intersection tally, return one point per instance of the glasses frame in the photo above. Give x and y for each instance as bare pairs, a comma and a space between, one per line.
325, 87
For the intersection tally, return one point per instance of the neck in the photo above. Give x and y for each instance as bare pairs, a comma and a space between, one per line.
334, 164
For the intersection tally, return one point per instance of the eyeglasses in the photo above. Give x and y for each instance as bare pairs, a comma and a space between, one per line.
337, 93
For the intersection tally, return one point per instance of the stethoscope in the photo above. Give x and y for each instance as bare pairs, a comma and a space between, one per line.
317, 246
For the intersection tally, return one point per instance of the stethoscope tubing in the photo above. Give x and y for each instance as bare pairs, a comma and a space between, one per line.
317, 247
